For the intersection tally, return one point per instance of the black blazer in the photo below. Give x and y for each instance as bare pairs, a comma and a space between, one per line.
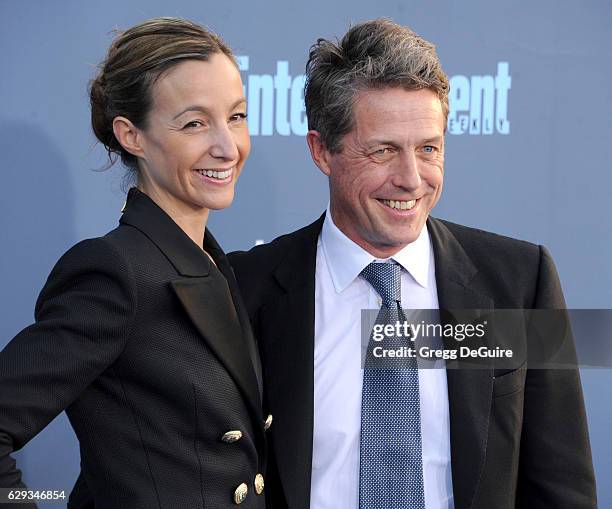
518, 437
146, 345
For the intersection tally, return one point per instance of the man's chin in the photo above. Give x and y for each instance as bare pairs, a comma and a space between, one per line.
402, 234
385, 247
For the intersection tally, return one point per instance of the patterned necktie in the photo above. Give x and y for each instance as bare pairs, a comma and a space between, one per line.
391, 466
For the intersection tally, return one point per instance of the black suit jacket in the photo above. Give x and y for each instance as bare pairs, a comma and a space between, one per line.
148, 348
518, 437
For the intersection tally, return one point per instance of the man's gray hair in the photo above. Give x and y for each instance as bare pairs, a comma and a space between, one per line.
372, 55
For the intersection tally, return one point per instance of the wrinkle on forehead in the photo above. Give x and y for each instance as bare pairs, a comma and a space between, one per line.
380, 113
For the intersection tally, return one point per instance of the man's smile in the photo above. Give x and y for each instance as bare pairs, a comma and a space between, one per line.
399, 204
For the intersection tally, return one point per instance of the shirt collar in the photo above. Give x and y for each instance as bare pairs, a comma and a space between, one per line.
345, 259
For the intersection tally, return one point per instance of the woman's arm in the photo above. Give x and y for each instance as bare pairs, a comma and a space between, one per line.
83, 318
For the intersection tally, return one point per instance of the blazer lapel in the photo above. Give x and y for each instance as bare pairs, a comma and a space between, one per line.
469, 390
209, 304
288, 354
222, 262
204, 293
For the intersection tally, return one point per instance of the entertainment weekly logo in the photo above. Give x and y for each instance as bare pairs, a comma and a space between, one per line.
478, 104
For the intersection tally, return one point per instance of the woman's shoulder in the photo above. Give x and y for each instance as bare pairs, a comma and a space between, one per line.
98, 255
92, 270
109, 249
109, 257
124, 254
123, 245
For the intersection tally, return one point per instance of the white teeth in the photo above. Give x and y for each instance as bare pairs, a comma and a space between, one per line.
216, 174
401, 205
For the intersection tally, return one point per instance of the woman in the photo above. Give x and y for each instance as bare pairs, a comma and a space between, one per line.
140, 335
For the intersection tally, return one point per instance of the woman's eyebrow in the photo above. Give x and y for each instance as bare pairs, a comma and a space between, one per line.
204, 109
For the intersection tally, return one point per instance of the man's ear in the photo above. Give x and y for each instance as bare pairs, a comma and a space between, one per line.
128, 136
320, 155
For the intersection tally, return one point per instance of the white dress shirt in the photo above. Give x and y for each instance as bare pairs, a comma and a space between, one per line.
340, 295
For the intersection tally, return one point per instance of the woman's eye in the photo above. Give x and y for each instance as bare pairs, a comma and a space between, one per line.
238, 117
193, 124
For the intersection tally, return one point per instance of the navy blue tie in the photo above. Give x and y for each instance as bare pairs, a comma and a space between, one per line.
391, 465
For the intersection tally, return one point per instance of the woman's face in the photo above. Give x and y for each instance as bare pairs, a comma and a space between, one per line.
196, 139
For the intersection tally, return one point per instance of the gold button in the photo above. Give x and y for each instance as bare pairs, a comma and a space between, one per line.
241, 493
268, 422
232, 436
259, 484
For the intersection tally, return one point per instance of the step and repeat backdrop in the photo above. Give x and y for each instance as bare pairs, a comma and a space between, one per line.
528, 148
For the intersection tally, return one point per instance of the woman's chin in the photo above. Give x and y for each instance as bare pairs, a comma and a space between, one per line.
220, 203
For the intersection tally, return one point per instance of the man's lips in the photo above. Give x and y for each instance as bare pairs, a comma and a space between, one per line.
399, 204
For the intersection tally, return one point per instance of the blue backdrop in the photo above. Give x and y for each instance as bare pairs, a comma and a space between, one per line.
528, 148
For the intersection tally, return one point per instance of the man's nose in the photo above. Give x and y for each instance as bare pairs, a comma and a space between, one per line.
406, 173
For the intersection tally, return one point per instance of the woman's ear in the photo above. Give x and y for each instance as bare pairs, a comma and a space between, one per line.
128, 136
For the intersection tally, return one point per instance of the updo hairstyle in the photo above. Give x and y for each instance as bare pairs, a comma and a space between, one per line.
136, 58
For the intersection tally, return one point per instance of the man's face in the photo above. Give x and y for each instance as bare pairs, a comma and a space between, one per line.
389, 173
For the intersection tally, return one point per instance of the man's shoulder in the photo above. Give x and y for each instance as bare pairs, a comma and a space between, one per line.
260, 270
513, 271
476, 240
266, 257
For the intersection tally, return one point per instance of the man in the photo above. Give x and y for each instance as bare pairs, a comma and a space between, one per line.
377, 104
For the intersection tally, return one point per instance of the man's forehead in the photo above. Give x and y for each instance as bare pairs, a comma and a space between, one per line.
398, 113
397, 101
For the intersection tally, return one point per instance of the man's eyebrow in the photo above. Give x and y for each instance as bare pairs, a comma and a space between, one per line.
433, 139
381, 141
204, 109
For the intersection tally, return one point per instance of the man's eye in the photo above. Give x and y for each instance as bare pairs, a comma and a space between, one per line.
382, 151
428, 149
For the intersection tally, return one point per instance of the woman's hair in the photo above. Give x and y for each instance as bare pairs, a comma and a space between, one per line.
136, 59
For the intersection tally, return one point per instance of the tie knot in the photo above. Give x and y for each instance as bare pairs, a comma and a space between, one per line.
386, 280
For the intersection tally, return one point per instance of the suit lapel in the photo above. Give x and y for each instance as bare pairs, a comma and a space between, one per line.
204, 293
469, 390
288, 354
